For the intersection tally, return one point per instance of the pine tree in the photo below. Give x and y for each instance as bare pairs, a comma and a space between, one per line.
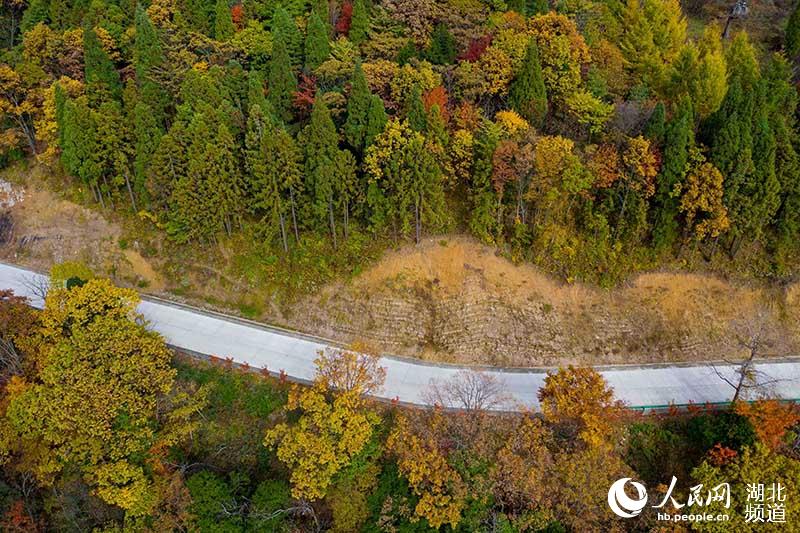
147, 134
59, 12
679, 139
225, 187
527, 94
320, 145
442, 50
317, 46
654, 129
483, 218
285, 30
358, 104
255, 91
148, 54
376, 120
537, 7
792, 38
114, 150
79, 145
36, 12
223, 23
282, 82
415, 110
359, 25
102, 78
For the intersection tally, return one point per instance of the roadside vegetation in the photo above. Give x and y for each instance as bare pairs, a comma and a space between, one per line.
103, 429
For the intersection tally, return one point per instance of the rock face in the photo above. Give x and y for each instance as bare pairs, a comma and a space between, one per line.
462, 303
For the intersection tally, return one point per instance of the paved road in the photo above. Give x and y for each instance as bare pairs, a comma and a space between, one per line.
640, 386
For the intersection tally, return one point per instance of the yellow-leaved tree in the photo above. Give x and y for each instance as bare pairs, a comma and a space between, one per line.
334, 424
441, 491
579, 401
89, 404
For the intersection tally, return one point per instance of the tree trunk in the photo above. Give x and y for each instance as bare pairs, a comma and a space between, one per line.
294, 217
283, 234
130, 190
333, 223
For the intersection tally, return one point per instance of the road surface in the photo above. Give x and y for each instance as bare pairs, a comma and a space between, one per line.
407, 380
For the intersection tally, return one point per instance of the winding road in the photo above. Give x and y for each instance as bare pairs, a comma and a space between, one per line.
205, 333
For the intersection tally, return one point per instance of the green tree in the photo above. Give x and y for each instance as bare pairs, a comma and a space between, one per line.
414, 110
320, 142
223, 23
282, 82
284, 30
36, 12
792, 38
102, 78
656, 124
442, 50
358, 105
483, 217
359, 23
317, 46
679, 139
527, 94
147, 134
376, 120
274, 165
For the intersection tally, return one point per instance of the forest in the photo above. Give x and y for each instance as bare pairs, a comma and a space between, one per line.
102, 428
594, 138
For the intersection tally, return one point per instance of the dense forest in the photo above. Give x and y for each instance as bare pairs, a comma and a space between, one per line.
592, 137
102, 428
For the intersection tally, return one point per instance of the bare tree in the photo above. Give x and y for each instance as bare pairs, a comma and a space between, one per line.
356, 367
469, 390
754, 334
38, 285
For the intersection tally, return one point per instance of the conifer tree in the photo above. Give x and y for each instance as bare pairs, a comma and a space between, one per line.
527, 94
376, 120
415, 110
36, 12
147, 134
483, 219
223, 23
654, 129
442, 50
359, 24
320, 145
282, 82
317, 46
102, 78
285, 30
358, 104
275, 174
148, 54
255, 91
537, 7
792, 38
679, 139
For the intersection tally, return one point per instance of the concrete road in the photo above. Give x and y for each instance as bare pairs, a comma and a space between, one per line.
407, 380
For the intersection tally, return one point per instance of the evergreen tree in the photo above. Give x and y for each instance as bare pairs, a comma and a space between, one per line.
256, 96
223, 23
147, 134
527, 94
679, 139
168, 166
792, 38
376, 120
200, 14
442, 50
114, 150
79, 145
275, 174
320, 145
148, 54
483, 218
537, 7
358, 105
102, 78
654, 129
282, 82
415, 110
359, 23
317, 46
285, 30
36, 12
